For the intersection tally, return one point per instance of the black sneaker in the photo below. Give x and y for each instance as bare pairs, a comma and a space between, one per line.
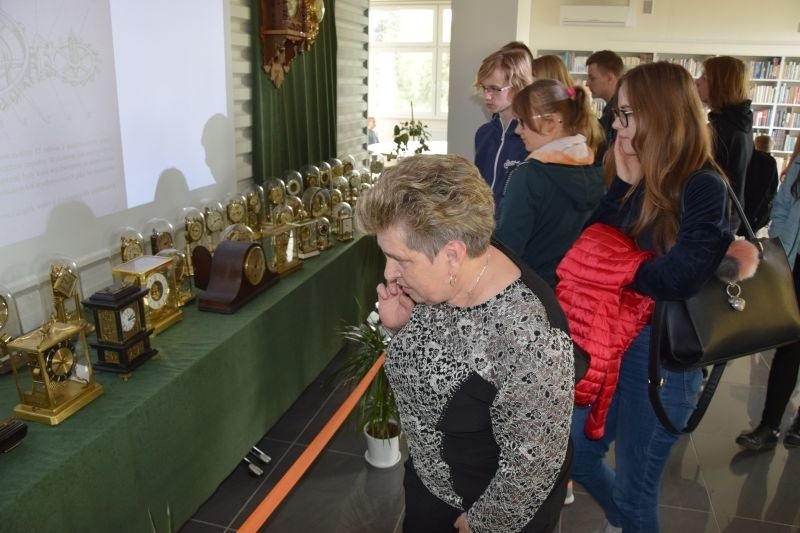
761, 438
792, 437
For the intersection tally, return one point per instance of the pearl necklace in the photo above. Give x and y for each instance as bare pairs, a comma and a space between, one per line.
480, 275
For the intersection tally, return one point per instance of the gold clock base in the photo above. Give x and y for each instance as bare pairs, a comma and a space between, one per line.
62, 412
163, 323
288, 267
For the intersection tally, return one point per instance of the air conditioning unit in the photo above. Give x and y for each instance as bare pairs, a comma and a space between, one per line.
609, 16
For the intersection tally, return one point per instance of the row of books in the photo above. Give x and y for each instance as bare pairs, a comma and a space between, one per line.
791, 70
787, 119
765, 69
762, 93
761, 118
576, 61
692, 64
783, 141
788, 94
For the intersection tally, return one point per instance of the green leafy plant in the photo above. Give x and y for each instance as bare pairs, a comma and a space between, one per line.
169, 528
411, 130
377, 407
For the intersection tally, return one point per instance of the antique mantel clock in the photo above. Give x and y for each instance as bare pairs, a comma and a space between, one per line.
283, 35
237, 273
157, 275
53, 373
123, 339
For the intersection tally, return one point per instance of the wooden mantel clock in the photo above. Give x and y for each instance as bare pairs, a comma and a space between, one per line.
236, 274
288, 27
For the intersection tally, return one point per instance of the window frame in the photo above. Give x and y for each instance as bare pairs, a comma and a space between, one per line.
436, 47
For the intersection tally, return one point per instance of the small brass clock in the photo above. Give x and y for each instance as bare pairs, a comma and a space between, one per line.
236, 209
161, 234
348, 164
123, 340
323, 233
298, 209
275, 192
281, 249
311, 177
325, 174
294, 182
66, 291
254, 197
216, 221
342, 218
54, 376
307, 242
194, 229
183, 277
157, 275
131, 244
237, 274
337, 167
317, 201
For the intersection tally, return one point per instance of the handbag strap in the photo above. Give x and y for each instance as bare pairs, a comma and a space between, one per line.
654, 382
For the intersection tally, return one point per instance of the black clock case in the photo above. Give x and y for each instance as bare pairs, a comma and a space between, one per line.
113, 298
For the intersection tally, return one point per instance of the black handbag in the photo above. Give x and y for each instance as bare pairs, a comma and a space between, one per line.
724, 321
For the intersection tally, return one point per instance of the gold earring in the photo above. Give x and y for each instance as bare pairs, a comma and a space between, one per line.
452, 280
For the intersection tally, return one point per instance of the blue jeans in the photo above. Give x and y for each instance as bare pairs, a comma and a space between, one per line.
629, 494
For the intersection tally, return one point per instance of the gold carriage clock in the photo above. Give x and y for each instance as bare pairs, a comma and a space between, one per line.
123, 339
53, 372
157, 275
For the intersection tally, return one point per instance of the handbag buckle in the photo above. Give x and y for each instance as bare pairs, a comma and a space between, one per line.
734, 291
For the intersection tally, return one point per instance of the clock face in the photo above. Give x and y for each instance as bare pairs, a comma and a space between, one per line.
254, 265
194, 229
294, 186
235, 212
159, 290
276, 195
60, 361
127, 319
214, 220
131, 249
323, 228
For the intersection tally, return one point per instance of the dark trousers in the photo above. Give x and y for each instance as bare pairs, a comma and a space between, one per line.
425, 513
783, 372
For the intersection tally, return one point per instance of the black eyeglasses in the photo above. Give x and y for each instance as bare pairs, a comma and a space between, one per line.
622, 115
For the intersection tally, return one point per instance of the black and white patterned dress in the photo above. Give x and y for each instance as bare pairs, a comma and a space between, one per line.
485, 396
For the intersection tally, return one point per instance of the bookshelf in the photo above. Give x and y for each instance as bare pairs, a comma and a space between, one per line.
774, 89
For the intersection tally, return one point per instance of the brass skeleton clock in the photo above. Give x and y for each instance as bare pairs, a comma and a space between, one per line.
54, 376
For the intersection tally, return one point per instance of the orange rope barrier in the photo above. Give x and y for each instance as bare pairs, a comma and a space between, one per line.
261, 514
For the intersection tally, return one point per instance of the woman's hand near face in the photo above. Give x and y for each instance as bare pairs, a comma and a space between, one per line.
394, 306
629, 168
461, 524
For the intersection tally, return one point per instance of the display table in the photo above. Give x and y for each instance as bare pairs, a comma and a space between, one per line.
184, 420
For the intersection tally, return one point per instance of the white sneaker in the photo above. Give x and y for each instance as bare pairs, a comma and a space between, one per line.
570, 495
608, 528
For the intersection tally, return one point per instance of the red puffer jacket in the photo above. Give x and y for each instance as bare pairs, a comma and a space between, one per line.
604, 315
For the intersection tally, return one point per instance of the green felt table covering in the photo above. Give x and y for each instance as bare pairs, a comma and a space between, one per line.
184, 420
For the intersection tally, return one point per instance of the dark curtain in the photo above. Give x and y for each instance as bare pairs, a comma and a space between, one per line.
296, 124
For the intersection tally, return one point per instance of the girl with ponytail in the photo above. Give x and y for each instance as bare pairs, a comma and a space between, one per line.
549, 197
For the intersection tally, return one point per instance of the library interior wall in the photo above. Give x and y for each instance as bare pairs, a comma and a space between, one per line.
676, 26
736, 27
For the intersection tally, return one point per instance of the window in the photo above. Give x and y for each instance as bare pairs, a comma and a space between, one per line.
409, 58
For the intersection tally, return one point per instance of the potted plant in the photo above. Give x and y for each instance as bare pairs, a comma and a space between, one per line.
413, 130
378, 413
